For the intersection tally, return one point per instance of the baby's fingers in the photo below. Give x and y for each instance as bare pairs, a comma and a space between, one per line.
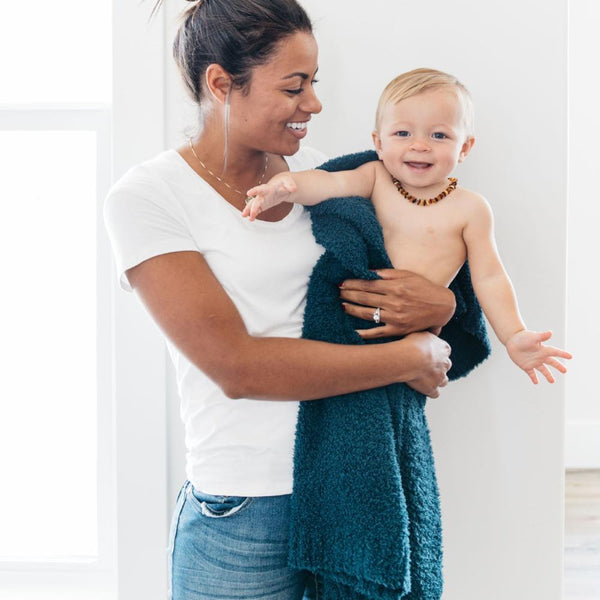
256, 190
252, 208
556, 364
248, 207
552, 351
543, 369
257, 205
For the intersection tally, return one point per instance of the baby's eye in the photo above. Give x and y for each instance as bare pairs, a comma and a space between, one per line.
438, 135
402, 133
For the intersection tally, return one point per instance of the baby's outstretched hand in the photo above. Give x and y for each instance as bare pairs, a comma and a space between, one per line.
265, 196
526, 350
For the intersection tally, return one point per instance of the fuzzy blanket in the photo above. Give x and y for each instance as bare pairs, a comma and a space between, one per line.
365, 507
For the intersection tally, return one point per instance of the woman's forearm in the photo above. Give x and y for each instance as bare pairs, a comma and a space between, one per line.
195, 313
292, 369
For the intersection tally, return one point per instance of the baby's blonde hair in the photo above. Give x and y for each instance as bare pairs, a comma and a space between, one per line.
420, 80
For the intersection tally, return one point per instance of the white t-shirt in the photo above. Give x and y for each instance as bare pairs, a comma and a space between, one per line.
234, 447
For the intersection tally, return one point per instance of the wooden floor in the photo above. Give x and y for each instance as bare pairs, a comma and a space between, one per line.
582, 535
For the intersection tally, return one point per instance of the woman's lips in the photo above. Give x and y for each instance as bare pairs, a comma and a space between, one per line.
298, 129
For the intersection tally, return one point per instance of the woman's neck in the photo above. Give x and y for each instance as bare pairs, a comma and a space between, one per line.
236, 167
245, 168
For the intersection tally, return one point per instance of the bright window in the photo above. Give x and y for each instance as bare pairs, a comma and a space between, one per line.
48, 422
57, 519
82, 425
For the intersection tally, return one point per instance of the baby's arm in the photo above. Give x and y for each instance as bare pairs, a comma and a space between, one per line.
310, 187
496, 295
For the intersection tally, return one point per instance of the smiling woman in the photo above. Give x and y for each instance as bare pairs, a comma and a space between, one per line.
229, 295
273, 112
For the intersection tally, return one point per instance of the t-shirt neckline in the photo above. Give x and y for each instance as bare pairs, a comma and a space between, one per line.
291, 216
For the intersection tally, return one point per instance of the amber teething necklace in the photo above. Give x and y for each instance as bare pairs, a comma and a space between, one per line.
246, 198
421, 201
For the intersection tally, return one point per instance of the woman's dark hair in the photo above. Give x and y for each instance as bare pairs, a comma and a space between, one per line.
236, 34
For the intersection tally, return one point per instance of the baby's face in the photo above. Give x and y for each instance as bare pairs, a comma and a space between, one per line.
421, 139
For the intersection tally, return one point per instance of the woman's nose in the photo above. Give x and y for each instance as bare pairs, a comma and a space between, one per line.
310, 102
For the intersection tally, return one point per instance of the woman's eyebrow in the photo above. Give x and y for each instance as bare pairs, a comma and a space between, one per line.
304, 76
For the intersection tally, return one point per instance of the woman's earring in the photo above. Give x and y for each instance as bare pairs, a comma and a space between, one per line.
226, 132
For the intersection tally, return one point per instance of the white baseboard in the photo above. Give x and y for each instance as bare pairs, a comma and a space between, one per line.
582, 445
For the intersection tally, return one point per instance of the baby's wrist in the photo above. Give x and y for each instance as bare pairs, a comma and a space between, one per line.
508, 338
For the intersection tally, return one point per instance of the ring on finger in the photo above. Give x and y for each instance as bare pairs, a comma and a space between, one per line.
377, 315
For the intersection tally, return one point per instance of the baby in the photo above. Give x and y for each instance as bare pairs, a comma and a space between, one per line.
424, 128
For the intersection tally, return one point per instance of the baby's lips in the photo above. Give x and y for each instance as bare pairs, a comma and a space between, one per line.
418, 165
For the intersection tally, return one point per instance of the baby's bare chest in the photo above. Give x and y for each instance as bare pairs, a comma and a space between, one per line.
425, 239
435, 223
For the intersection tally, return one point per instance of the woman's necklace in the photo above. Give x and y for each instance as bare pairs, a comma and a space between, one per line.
246, 199
421, 201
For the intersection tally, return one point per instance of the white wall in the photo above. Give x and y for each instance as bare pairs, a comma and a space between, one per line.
138, 378
498, 439
583, 408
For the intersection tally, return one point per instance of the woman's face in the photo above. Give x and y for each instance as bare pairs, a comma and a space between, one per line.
273, 113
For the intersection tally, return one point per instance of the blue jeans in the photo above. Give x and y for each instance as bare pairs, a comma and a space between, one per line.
233, 548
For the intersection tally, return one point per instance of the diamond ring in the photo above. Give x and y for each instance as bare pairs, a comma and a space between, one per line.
377, 315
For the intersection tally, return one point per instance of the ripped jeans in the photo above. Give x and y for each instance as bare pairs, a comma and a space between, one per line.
233, 548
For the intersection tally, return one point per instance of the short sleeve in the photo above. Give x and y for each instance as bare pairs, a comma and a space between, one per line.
143, 220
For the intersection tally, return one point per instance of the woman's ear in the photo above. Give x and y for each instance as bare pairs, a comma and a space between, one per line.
466, 148
377, 143
218, 82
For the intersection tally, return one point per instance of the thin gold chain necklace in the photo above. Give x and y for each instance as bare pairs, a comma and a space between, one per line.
222, 180
426, 202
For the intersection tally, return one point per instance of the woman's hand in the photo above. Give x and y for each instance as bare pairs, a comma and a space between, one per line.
527, 351
407, 303
435, 363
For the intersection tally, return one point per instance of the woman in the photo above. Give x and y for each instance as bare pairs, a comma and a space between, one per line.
232, 327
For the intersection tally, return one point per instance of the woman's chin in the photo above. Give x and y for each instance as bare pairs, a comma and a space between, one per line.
289, 148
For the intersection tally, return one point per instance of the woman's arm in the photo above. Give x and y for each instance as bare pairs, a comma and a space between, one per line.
193, 310
310, 188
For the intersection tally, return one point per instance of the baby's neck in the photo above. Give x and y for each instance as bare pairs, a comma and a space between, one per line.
427, 191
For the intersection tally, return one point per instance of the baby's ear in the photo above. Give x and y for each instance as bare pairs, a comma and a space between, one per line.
466, 148
377, 142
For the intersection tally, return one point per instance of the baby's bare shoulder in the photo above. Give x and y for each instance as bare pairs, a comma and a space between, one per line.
475, 209
470, 196
471, 201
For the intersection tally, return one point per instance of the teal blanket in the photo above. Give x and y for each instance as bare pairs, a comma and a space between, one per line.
365, 507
